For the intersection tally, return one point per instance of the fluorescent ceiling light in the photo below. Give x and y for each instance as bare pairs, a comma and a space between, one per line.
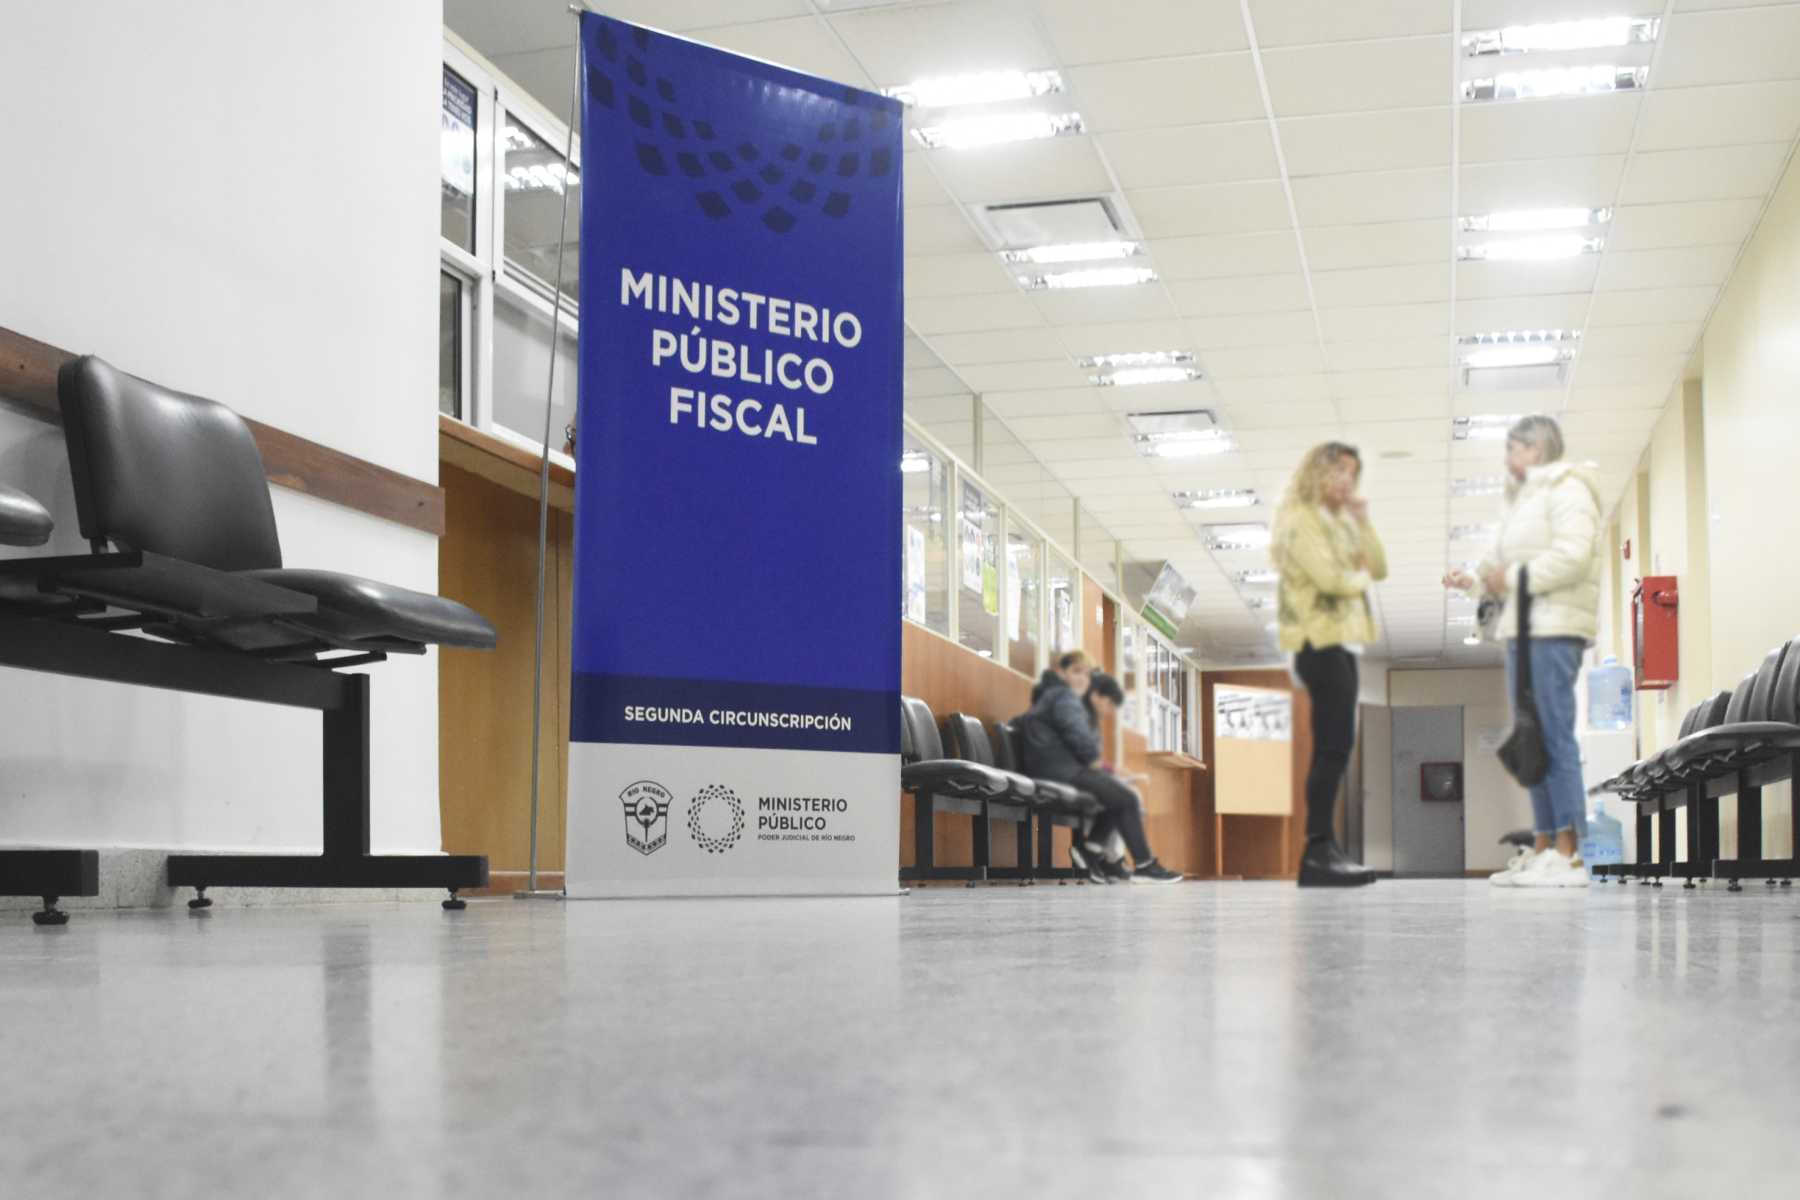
1218, 498
1489, 427
1536, 220
1520, 337
1073, 252
1243, 535
1142, 358
1562, 81
1195, 443
542, 177
913, 462
1470, 533
1523, 355
1133, 376
1591, 34
1487, 485
1472, 640
1461, 622
969, 132
1254, 578
1546, 248
1091, 277
981, 87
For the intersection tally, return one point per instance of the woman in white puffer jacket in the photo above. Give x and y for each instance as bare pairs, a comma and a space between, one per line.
1550, 530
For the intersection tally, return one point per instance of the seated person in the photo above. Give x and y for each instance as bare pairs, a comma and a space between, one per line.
1104, 696
1062, 743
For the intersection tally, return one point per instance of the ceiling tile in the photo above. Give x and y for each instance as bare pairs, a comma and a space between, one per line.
1255, 392
919, 183
1124, 337
1523, 312
1086, 32
1540, 183
1720, 116
1593, 399
1729, 47
1000, 346
1692, 266
940, 230
1341, 247
1047, 169
1661, 307
1358, 76
1229, 297
1698, 223
898, 45
1298, 22
1720, 173
1364, 410
1382, 355
965, 314
1260, 329
1302, 413
1385, 322
1272, 253
1378, 141
1417, 284
1485, 280
932, 381
1260, 361
1644, 371
1532, 129
1167, 91
1093, 306
1213, 209
1191, 154
803, 43
1408, 381
955, 275
1093, 425
1372, 197
1625, 340
992, 379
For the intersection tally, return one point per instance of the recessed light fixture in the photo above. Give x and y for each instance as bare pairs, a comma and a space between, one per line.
1474, 639
1524, 354
1185, 433
1090, 278
1462, 622
1556, 81
1544, 248
1518, 337
1133, 376
1242, 535
1591, 34
1073, 252
1535, 220
914, 462
1484, 427
1141, 358
1470, 533
968, 132
1486, 485
1217, 498
1255, 578
981, 87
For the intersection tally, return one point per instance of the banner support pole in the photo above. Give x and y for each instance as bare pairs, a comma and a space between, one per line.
537, 664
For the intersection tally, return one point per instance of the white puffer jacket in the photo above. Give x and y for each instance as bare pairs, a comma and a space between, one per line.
1550, 525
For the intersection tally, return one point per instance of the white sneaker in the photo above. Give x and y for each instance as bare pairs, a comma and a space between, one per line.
1508, 876
1553, 869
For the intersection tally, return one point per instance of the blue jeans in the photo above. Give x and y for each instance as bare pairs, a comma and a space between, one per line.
1560, 801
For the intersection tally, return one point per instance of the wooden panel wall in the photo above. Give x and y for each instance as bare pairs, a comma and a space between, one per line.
488, 560
1172, 808
1256, 847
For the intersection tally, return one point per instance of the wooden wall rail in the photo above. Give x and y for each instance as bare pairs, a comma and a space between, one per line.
28, 370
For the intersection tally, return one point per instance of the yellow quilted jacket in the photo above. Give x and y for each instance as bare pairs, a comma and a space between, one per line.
1327, 565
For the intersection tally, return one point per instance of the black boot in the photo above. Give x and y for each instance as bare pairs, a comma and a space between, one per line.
1324, 865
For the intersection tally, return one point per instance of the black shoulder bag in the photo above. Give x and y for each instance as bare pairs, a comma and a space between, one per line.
1523, 754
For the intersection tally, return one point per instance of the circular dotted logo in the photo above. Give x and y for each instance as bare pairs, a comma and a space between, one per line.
716, 819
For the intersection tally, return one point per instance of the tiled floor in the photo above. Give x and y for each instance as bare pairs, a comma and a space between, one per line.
1241, 1040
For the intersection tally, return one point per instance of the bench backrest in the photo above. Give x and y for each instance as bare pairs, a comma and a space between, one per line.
1712, 713
1738, 707
1007, 754
164, 472
969, 739
1786, 704
1692, 720
916, 714
1762, 692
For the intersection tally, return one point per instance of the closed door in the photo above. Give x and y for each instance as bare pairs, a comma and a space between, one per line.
1428, 833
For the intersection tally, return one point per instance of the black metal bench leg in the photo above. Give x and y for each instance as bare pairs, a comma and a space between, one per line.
49, 875
1023, 842
1665, 843
1643, 843
345, 861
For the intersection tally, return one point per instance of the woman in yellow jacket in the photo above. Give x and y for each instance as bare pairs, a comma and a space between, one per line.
1328, 557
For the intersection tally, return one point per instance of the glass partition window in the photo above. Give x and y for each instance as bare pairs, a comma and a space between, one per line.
925, 556
1024, 600
457, 163
1130, 658
521, 369
978, 572
450, 345
535, 178
1065, 605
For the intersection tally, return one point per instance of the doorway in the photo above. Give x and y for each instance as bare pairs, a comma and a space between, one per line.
1428, 813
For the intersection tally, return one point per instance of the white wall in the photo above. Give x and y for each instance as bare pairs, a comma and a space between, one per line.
1492, 803
236, 198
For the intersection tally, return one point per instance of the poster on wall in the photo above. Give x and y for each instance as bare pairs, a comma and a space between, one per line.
734, 717
915, 574
1252, 714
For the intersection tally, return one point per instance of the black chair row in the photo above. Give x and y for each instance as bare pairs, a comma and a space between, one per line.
986, 784
185, 589
1734, 744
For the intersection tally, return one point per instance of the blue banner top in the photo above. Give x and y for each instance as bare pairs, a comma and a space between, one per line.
739, 439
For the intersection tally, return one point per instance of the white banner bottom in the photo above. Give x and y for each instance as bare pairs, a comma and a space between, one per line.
649, 821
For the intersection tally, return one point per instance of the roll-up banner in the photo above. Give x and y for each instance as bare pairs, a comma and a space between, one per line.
734, 724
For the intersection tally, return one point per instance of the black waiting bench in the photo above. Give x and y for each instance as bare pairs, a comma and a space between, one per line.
1734, 744
185, 589
987, 785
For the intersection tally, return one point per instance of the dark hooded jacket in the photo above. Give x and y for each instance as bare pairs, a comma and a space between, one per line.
1060, 739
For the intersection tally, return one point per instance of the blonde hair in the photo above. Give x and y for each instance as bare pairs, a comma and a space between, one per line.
1307, 488
1540, 431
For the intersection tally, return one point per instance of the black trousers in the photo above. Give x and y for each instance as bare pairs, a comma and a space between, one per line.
1330, 679
1124, 812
